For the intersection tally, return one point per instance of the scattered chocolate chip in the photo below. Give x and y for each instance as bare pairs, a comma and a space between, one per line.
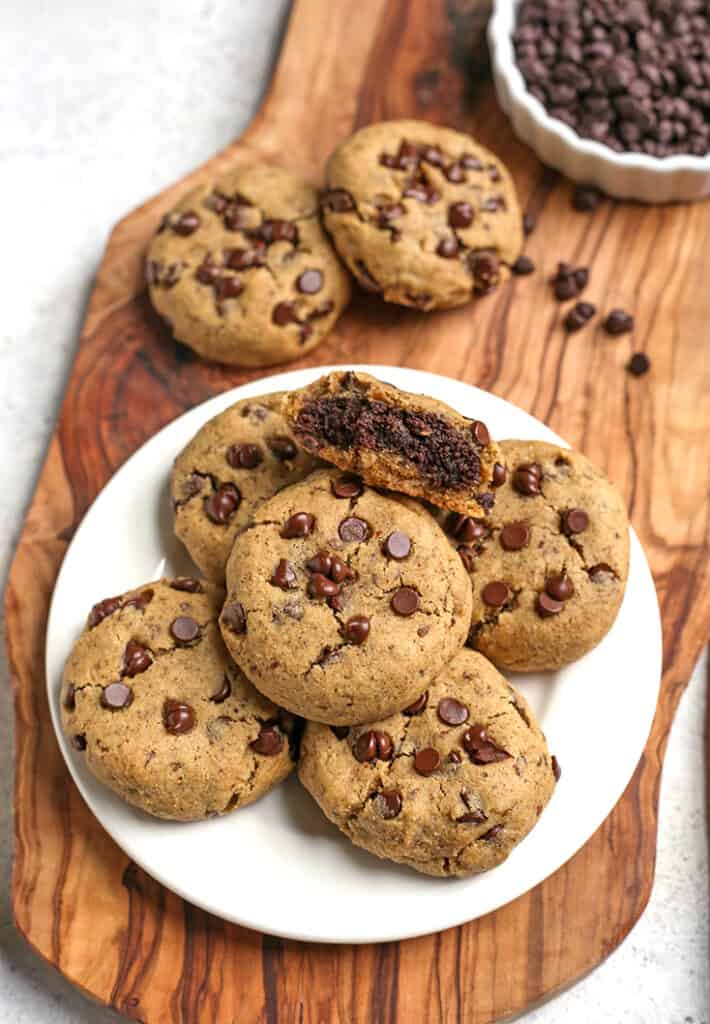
485, 268
373, 746
559, 587
496, 593
187, 223
527, 477
574, 520
184, 630
465, 528
340, 731
586, 198
136, 659
475, 817
548, 606
492, 832
283, 448
638, 364
452, 711
454, 757
580, 314
224, 691
70, 698
236, 217
284, 576
187, 583
347, 486
139, 601
221, 505
116, 696
301, 524
417, 706
405, 601
278, 231
320, 586
480, 433
601, 572
269, 742
500, 475
426, 761
244, 456
353, 529
397, 546
480, 747
284, 313
523, 266
228, 286
389, 803
321, 562
337, 200
448, 248
556, 770
514, 536
618, 321
233, 617
79, 741
101, 610
460, 215
569, 281
244, 259
357, 629
310, 282
178, 718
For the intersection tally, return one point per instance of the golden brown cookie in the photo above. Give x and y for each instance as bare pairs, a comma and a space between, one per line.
422, 215
238, 459
243, 272
449, 786
394, 439
152, 701
343, 603
549, 565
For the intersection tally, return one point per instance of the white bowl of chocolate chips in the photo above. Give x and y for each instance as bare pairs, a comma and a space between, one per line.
613, 93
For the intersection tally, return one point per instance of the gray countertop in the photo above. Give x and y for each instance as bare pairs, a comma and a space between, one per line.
103, 105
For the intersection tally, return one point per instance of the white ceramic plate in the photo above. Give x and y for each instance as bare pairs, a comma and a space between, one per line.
278, 865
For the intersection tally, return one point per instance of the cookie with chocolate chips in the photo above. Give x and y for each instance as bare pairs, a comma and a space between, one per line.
239, 458
405, 442
243, 272
342, 603
160, 713
448, 786
422, 215
548, 566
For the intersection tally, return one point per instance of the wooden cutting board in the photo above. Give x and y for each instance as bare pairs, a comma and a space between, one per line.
106, 925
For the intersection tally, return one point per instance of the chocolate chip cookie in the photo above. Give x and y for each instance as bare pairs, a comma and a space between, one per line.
548, 566
449, 786
343, 603
243, 272
393, 439
152, 701
422, 215
238, 459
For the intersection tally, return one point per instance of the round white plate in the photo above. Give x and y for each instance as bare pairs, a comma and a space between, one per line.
278, 865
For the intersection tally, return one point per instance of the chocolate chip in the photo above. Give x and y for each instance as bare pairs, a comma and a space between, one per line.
228, 286
178, 718
569, 281
492, 832
499, 476
460, 215
269, 742
234, 618
310, 282
321, 562
452, 711
417, 706
485, 268
70, 698
340, 731
101, 610
278, 231
580, 314
574, 520
236, 217
186, 583
454, 757
601, 572
222, 504
347, 486
357, 629
373, 746
136, 659
527, 477
472, 818
79, 741
389, 803
480, 433
548, 606
618, 321
283, 448
556, 770
465, 528
244, 456
405, 601
187, 223
471, 162
320, 586
514, 536
224, 691
397, 546
586, 198
116, 696
448, 248
184, 630
301, 524
244, 259
284, 313
496, 593
353, 529
480, 747
638, 364
455, 174
284, 576
426, 761
337, 200
559, 587
467, 556
523, 266
139, 601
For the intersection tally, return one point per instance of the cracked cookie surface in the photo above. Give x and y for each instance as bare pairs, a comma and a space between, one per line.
153, 702
238, 459
422, 215
243, 272
343, 603
549, 565
394, 439
448, 787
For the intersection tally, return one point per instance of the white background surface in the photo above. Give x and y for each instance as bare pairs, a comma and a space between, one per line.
101, 105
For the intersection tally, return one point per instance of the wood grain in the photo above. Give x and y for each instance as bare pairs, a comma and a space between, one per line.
111, 929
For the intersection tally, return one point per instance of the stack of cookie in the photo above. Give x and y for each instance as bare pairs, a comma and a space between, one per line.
374, 546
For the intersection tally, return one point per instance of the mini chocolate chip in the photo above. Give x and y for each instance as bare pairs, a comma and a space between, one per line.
454, 757
496, 593
389, 803
283, 448
233, 617
405, 601
480, 433
269, 742
116, 696
556, 770
178, 718
186, 583
301, 524
184, 629
548, 606
337, 200
284, 576
79, 741
523, 266
638, 364
310, 282
187, 223
618, 321
284, 313
514, 536
601, 572
426, 761
586, 198
101, 610
320, 586
397, 546
373, 746
244, 456
222, 504
499, 476
347, 486
353, 529
560, 587
460, 215
340, 731
452, 711
492, 832
580, 314
70, 697
574, 520
136, 659
418, 705
224, 691
448, 248
357, 629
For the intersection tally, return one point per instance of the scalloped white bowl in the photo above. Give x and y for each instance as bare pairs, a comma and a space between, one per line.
623, 175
